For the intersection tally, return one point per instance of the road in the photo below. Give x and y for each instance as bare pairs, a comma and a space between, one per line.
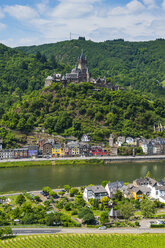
109, 158
30, 231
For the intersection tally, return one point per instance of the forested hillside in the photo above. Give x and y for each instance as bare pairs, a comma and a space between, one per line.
21, 74
79, 109
139, 65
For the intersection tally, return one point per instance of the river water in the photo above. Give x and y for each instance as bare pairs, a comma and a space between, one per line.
34, 178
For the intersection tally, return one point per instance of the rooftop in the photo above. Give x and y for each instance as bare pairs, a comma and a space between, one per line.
96, 189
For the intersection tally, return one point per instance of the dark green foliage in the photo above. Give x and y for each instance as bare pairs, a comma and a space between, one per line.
53, 219
104, 183
148, 208
6, 232
104, 218
73, 192
123, 113
87, 215
127, 210
20, 199
125, 151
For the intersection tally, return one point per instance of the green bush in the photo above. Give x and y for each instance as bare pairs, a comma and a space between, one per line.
157, 225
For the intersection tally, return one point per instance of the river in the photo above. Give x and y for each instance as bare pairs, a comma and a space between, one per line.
34, 178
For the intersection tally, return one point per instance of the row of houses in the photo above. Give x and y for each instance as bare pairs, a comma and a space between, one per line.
73, 148
48, 148
24, 152
149, 146
137, 190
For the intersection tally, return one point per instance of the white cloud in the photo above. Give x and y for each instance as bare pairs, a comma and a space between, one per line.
163, 4
150, 3
135, 6
43, 6
1, 13
74, 9
132, 7
91, 18
21, 12
2, 26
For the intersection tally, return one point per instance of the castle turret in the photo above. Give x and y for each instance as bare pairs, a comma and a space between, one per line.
82, 66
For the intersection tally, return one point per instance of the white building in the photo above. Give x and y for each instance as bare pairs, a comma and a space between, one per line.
94, 192
158, 193
85, 138
120, 140
130, 141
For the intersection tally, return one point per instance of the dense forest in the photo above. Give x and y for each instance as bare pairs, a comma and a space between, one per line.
78, 108
138, 65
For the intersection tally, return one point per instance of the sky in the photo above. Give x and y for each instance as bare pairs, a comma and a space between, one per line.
34, 22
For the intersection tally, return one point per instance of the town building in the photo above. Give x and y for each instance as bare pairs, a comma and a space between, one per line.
33, 151
136, 193
98, 151
111, 140
94, 192
121, 140
21, 152
112, 188
58, 151
85, 138
147, 181
6, 154
158, 193
47, 150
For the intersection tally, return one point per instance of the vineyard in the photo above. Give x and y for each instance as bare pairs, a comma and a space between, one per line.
87, 241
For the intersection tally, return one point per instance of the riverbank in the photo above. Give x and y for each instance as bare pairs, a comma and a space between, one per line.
20, 163
78, 161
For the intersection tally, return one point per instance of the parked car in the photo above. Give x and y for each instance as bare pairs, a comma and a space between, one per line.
44, 193
160, 222
102, 228
56, 196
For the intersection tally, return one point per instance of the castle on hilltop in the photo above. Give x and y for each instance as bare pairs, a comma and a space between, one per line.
80, 73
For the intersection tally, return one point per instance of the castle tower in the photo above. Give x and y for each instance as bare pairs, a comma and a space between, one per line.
82, 66
82, 62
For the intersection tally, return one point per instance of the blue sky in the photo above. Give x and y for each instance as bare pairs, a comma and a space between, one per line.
46, 21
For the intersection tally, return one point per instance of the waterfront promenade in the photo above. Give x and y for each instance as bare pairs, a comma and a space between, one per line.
106, 158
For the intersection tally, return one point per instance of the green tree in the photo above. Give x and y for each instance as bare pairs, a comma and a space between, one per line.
67, 187
104, 218
105, 200
53, 219
104, 183
148, 208
87, 215
127, 210
118, 195
148, 174
73, 192
20, 199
